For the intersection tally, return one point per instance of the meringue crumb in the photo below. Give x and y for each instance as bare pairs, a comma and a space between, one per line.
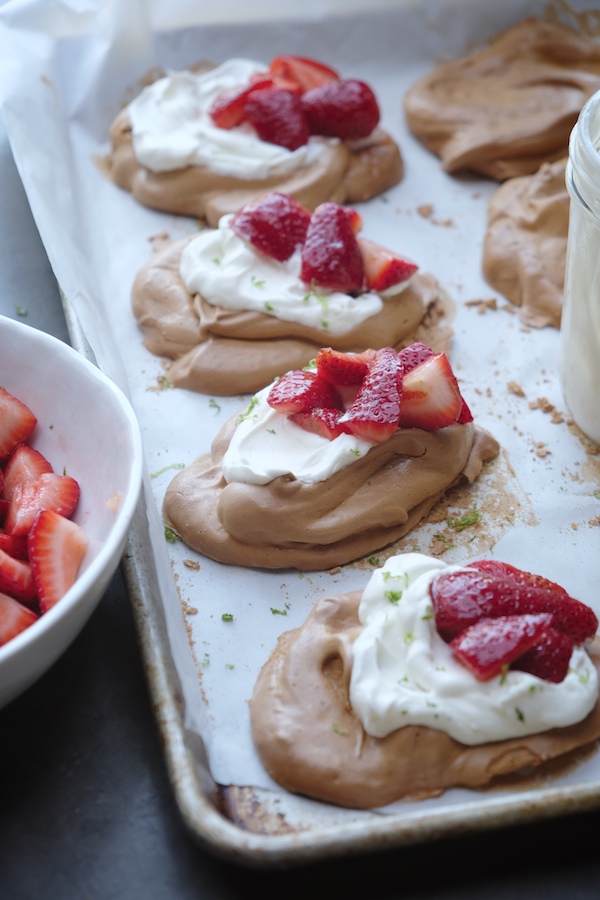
425, 210
515, 388
189, 610
115, 501
541, 450
192, 564
482, 305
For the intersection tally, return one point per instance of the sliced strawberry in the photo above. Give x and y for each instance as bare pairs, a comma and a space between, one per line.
490, 646
3, 511
355, 219
413, 355
549, 658
276, 225
23, 464
227, 111
16, 578
301, 391
56, 548
325, 422
503, 570
14, 618
341, 368
375, 413
330, 257
16, 422
14, 544
48, 491
384, 268
346, 109
301, 71
277, 117
465, 414
431, 398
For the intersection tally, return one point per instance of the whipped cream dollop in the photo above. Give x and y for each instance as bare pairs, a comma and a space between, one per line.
171, 127
229, 273
403, 673
266, 444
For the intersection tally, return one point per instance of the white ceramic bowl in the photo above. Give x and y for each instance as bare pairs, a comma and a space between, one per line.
86, 427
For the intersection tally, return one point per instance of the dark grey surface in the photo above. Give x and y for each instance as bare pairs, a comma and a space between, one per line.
86, 809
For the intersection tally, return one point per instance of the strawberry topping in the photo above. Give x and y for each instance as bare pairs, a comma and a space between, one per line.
325, 422
549, 657
330, 256
277, 117
384, 268
276, 225
49, 491
301, 391
305, 73
345, 109
375, 413
491, 645
228, 110
341, 368
14, 618
431, 397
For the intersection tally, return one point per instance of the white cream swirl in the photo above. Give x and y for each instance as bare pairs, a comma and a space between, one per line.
403, 673
171, 127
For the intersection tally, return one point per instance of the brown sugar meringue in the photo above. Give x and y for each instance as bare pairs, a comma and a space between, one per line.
525, 245
312, 741
504, 110
346, 171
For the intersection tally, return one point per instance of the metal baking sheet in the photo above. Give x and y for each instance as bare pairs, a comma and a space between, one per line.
66, 78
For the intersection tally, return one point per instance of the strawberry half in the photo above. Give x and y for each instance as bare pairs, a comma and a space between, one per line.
431, 398
489, 647
277, 117
300, 70
384, 268
16, 578
331, 257
24, 464
276, 225
341, 368
549, 658
227, 110
16, 422
375, 413
14, 618
346, 109
324, 422
300, 391
56, 548
414, 355
48, 491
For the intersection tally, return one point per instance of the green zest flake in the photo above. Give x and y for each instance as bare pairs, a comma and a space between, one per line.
324, 325
403, 712
167, 469
408, 638
50, 427
257, 282
229, 666
584, 677
338, 729
428, 615
440, 537
248, 413
279, 612
470, 518
268, 306
355, 451
170, 535
597, 495
519, 714
374, 560
21, 311
217, 260
227, 617
214, 405
163, 382
393, 596
432, 704
205, 661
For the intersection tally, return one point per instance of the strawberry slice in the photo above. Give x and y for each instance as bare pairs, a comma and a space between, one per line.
300, 391
24, 464
325, 422
56, 548
276, 225
413, 355
489, 647
227, 110
355, 219
375, 413
16, 578
16, 422
49, 490
14, 544
331, 257
502, 570
341, 368
3, 511
301, 71
346, 109
431, 398
14, 618
549, 658
277, 117
384, 268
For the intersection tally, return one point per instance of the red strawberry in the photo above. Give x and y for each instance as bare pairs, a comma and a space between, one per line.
301, 391
16, 578
276, 225
383, 267
23, 464
227, 110
325, 422
330, 256
305, 73
16, 422
498, 569
50, 490
355, 219
490, 646
14, 618
3, 511
14, 544
346, 109
549, 658
277, 117
343, 368
431, 398
56, 548
413, 355
375, 413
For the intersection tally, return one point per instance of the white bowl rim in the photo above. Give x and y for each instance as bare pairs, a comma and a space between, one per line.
124, 513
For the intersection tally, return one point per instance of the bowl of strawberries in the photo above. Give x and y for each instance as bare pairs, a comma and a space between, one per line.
70, 480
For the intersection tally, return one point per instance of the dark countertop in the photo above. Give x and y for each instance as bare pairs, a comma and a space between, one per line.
86, 808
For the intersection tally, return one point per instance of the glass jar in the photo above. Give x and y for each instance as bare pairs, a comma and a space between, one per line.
580, 326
